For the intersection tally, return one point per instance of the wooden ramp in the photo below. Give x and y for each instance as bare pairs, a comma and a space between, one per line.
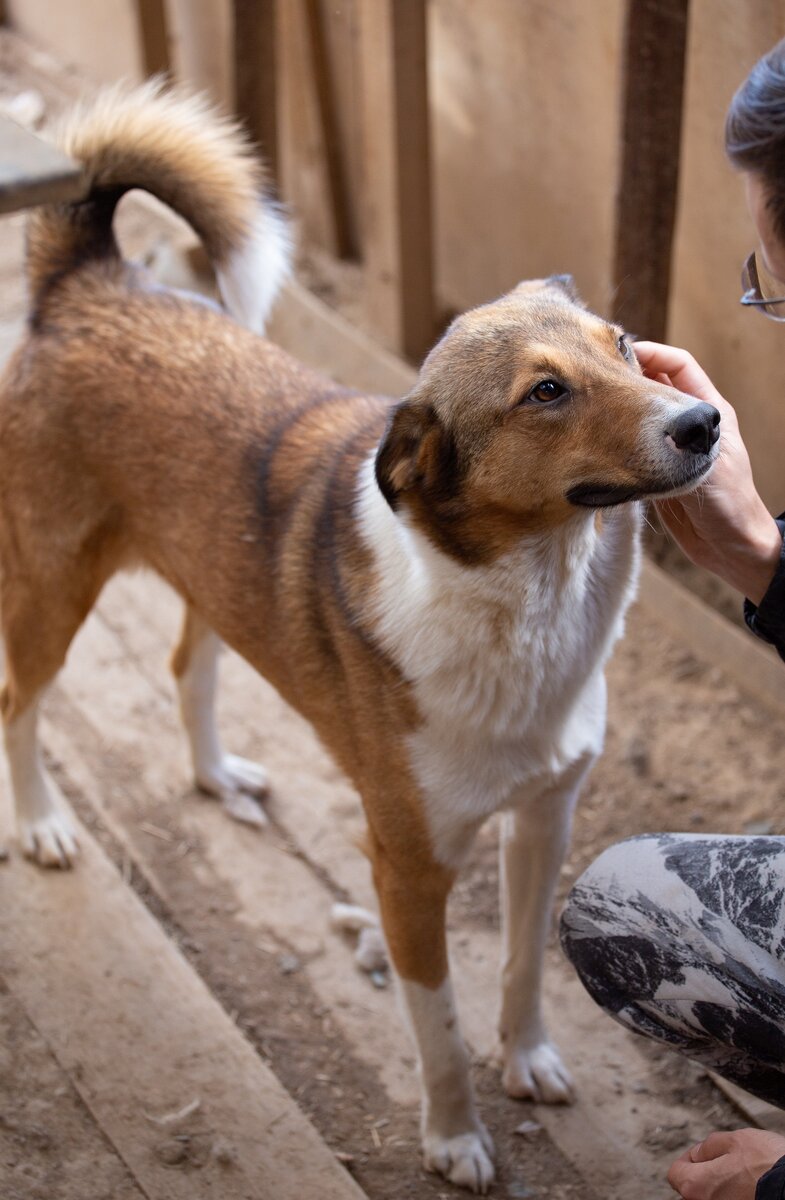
139, 1037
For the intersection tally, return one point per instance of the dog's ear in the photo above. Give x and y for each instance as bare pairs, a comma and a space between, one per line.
560, 283
416, 451
566, 284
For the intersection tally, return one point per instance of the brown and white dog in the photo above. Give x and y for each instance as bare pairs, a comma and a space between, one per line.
428, 582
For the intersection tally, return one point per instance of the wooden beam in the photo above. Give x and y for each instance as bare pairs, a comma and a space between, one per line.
34, 172
255, 88
346, 242
154, 36
652, 92
398, 237
326, 341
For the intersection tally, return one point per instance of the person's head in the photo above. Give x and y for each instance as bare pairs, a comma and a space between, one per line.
755, 143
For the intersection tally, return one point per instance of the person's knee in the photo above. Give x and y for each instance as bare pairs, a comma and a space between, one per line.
609, 925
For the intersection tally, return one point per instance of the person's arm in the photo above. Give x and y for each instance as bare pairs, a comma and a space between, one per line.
748, 1164
724, 526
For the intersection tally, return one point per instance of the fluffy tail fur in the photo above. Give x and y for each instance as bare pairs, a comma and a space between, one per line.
197, 162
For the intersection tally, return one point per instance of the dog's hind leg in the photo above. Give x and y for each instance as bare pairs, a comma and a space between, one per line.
534, 841
238, 783
413, 900
40, 616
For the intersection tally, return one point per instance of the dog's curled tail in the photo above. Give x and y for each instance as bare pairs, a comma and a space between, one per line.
200, 164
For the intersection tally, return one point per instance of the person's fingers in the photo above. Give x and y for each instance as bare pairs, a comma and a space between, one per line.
657, 356
678, 1171
680, 367
685, 1156
677, 368
685, 1176
715, 1145
698, 1180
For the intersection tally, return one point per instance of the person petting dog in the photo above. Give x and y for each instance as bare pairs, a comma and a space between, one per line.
681, 937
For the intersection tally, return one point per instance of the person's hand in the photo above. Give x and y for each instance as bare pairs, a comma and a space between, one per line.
723, 526
727, 1166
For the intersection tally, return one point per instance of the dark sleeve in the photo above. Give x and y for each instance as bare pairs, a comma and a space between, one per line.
767, 619
771, 1186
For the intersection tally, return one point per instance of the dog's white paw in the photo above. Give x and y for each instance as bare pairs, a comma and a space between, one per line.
538, 1074
243, 808
239, 785
465, 1160
49, 840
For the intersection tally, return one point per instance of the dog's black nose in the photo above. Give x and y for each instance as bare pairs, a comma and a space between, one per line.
697, 429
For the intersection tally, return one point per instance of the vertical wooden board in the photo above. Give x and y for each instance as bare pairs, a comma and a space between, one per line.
341, 23
254, 55
305, 166
655, 46
743, 352
201, 45
397, 217
152, 22
323, 75
303, 172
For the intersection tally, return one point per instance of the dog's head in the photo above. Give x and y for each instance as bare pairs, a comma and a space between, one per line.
528, 410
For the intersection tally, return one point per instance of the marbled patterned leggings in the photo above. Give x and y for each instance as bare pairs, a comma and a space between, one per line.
681, 937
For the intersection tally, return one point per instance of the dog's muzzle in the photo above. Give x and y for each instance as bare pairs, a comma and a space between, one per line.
692, 433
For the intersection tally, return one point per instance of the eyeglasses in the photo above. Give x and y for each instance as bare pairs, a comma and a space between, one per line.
762, 290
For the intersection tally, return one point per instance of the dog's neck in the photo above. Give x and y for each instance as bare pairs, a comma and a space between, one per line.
542, 575
498, 656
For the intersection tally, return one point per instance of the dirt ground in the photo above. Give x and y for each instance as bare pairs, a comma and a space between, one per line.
686, 750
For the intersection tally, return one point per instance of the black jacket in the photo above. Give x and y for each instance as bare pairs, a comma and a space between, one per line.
771, 1186
767, 619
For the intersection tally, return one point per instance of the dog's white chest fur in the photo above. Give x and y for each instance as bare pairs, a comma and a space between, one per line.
505, 661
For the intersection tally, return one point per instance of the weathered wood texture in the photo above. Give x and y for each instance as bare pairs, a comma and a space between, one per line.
153, 36
652, 96
33, 172
323, 76
255, 75
97, 974
398, 236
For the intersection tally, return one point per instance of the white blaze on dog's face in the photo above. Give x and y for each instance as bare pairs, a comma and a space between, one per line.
527, 410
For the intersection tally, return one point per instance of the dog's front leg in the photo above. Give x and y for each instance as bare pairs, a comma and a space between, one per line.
534, 840
413, 900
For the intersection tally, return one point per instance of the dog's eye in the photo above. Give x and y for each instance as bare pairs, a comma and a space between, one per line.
547, 391
625, 349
